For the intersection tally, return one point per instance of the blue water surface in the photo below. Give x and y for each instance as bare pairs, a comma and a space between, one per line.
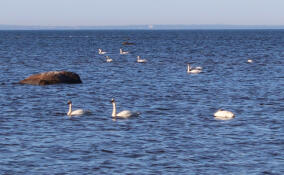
176, 132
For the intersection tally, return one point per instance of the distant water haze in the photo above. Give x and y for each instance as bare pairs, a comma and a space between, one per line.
140, 27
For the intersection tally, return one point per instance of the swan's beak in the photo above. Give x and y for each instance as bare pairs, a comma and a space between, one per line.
112, 100
69, 102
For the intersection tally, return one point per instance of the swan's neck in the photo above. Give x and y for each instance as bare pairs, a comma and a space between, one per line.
188, 68
113, 109
138, 58
70, 109
120, 50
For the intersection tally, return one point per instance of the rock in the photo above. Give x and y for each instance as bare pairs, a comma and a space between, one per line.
53, 77
127, 43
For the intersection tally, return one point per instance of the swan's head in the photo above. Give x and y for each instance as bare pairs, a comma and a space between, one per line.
69, 102
112, 100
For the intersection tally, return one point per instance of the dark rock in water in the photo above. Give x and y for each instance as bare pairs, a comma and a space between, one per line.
127, 43
53, 77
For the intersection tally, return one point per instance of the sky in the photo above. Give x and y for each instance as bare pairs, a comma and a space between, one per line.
141, 12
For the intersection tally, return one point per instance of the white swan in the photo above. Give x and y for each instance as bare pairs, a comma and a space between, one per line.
101, 52
122, 52
76, 112
193, 70
224, 115
139, 60
122, 114
250, 61
108, 59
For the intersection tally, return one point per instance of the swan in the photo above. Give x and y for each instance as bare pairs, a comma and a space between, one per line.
224, 115
76, 112
101, 52
122, 114
122, 52
139, 60
195, 70
250, 61
108, 59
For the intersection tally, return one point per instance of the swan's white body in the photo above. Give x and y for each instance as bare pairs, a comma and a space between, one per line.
76, 112
250, 61
139, 60
122, 114
108, 59
122, 52
193, 70
223, 115
101, 52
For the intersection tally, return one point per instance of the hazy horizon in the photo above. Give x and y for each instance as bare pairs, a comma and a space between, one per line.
142, 27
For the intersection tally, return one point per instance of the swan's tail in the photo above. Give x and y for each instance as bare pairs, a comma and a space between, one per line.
88, 112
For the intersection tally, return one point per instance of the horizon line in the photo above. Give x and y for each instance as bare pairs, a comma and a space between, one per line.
141, 26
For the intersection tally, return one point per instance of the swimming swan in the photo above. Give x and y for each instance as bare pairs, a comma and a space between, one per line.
76, 112
122, 114
223, 115
193, 70
139, 60
108, 59
101, 52
122, 52
250, 61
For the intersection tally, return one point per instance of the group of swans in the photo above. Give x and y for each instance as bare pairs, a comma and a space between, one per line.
101, 52
220, 114
198, 69
122, 114
108, 59
139, 60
